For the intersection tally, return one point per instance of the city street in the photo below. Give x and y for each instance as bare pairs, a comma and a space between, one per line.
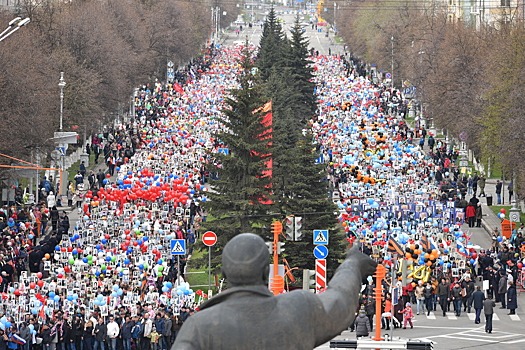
448, 332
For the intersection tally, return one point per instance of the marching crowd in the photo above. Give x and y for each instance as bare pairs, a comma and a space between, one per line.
111, 281
404, 203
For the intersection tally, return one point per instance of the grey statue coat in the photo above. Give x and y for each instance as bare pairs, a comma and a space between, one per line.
250, 317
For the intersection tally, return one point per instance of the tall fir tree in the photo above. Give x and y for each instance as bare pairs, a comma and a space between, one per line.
302, 68
299, 185
237, 192
271, 45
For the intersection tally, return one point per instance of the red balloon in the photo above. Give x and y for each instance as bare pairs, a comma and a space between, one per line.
40, 284
39, 274
502, 210
17, 292
32, 285
520, 265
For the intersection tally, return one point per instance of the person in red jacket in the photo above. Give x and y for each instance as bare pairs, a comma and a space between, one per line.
470, 214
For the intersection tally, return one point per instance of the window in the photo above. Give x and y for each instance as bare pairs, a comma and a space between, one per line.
505, 3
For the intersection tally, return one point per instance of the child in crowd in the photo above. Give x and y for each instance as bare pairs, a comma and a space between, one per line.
407, 315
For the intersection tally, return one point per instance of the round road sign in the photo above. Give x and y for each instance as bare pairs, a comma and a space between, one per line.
209, 238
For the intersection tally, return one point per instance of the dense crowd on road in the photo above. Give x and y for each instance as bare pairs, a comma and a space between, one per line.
111, 279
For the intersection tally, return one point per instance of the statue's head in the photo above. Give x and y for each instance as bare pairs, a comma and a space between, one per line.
245, 260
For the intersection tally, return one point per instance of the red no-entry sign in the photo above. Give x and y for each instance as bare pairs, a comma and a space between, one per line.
209, 238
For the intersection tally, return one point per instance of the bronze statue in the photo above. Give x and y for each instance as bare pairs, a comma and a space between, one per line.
249, 316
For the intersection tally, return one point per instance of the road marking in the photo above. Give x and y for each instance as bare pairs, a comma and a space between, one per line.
495, 317
471, 316
434, 327
515, 317
513, 341
451, 316
431, 316
462, 337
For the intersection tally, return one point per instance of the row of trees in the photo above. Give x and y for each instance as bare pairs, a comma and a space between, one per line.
468, 80
246, 199
105, 48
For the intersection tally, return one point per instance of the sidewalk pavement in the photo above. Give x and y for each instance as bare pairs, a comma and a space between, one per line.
72, 212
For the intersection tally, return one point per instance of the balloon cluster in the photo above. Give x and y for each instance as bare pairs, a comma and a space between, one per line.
184, 289
414, 253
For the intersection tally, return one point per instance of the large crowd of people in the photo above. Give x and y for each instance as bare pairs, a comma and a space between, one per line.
111, 280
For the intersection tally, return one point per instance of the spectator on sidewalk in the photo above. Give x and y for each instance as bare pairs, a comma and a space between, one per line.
100, 178
510, 188
92, 179
82, 169
54, 215
479, 215
481, 185
499, 185
51, 200
78, 178
470, 214
70, 193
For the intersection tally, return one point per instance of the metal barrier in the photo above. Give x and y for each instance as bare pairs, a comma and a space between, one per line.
365, 344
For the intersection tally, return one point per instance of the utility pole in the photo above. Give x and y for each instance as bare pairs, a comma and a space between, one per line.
277, 282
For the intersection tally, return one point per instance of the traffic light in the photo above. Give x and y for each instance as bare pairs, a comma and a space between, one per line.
270, 247
280, 248
293, 225
289, 232
297, 228
308, 279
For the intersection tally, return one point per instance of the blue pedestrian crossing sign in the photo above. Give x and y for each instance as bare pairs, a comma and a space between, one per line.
321, 237
320, 252
178, 247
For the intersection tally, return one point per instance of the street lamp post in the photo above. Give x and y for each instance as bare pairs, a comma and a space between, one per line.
61, 85
335, 17
392, 65
13, 26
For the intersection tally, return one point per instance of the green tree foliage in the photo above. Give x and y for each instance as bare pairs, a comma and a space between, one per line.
240, 188
270, 45
299, 185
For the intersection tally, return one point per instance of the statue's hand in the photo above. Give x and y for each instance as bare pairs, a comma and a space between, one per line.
367, 266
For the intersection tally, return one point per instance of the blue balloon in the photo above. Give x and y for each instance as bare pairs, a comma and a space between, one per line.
51, 295
56, 298
8, 324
